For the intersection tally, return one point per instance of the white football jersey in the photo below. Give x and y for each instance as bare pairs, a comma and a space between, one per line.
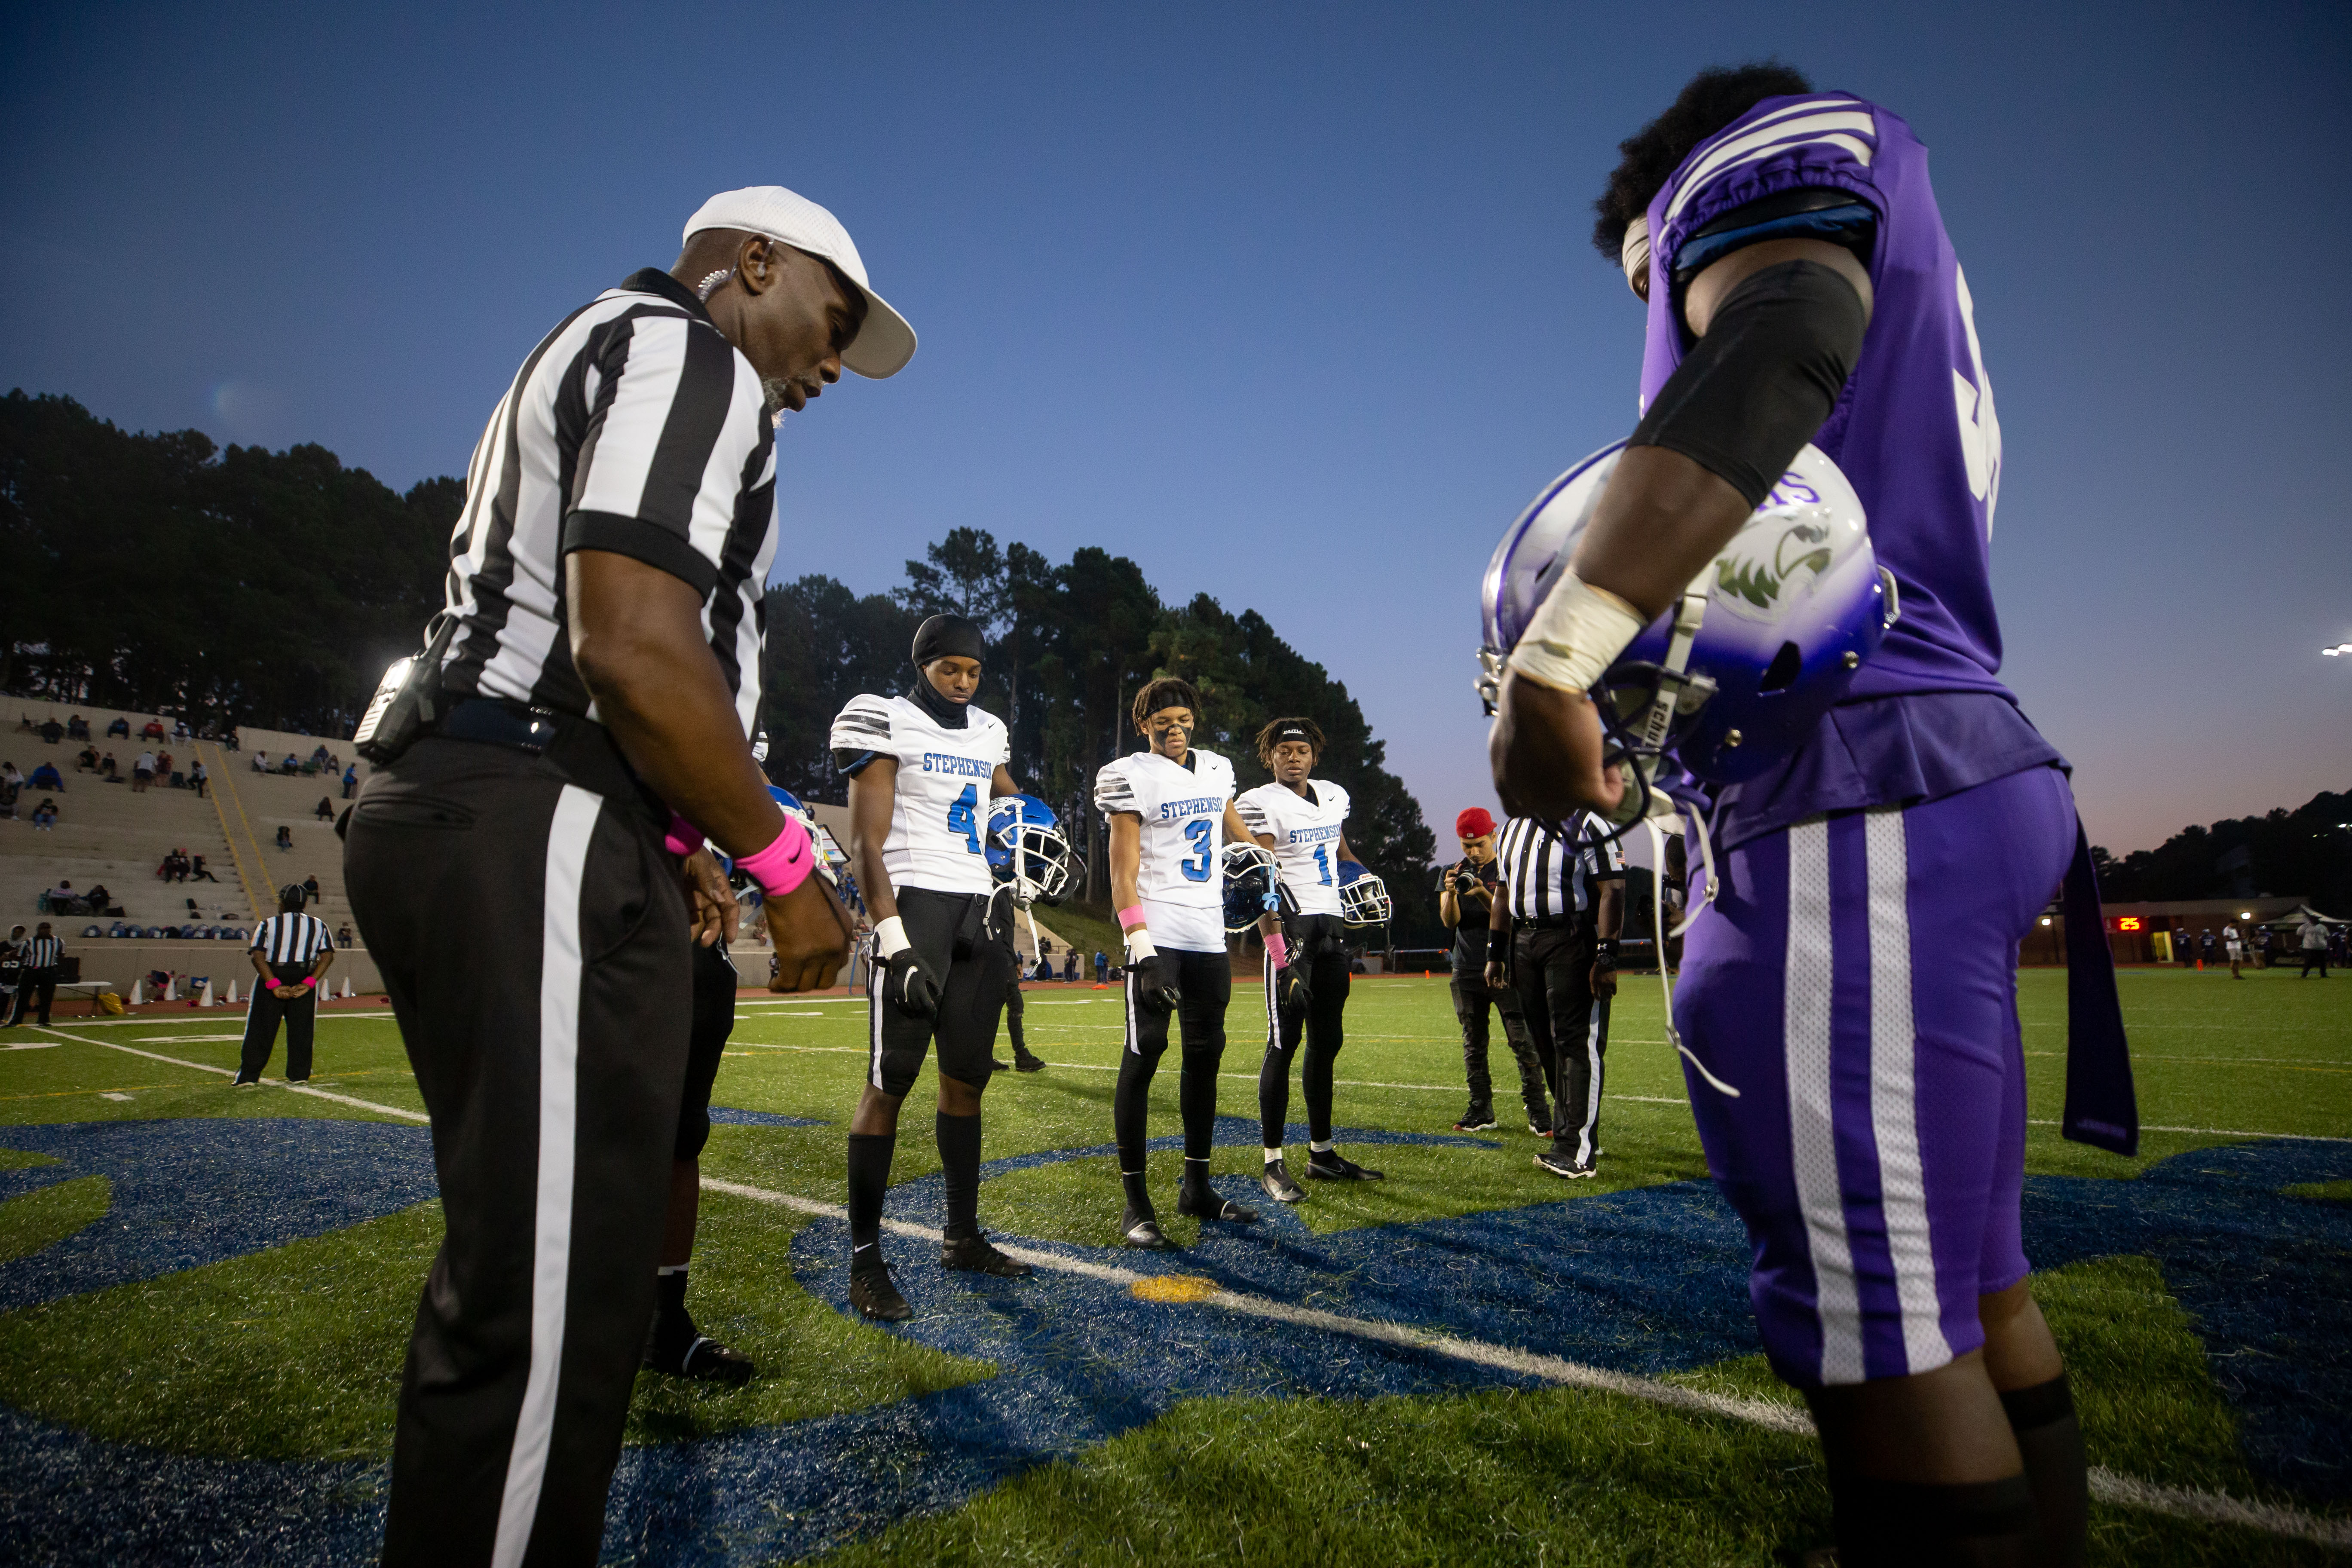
939, 819
1182, 880
1305, 839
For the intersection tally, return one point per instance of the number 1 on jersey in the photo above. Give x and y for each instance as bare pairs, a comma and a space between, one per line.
963, 817
1196, 868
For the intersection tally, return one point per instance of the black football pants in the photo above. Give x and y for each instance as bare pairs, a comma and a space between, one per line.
261, 1019
1319, 951
532, 935
1204, 984
1551, 967
1472, 1000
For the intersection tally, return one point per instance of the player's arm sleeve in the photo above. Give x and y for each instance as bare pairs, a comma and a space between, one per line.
1115, 792
860, 734
670, 406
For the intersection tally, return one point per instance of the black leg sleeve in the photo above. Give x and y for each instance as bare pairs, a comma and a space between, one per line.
1326, 1026
1282, 1036
2051, 1438
1523, 1056
869, 1178
959, 1138
532, 935
1205, 982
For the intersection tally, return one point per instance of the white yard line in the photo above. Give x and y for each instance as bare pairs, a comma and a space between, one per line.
2127, 1491
231, 1072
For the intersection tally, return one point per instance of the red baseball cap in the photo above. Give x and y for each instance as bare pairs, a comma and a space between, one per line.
1474, 823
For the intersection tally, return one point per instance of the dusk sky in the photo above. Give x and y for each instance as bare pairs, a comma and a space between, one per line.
1292, 303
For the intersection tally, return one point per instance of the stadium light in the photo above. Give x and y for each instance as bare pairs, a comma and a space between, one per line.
2245, 914
2045, 920
2337, 651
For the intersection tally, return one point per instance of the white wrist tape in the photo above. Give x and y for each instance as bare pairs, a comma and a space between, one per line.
1139, 945
890, 938
1577, 634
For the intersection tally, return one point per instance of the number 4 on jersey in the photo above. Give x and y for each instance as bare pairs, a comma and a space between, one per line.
963, 816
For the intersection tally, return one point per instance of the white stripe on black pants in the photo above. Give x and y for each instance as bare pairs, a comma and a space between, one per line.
532, 939
1551, 968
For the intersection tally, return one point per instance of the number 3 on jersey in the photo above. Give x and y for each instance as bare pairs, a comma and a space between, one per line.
1196, 868
963, 817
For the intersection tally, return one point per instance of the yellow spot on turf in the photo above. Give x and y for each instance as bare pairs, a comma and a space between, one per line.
1173, 1288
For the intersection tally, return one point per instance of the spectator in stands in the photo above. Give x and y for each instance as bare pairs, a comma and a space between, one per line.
163, 767
310, 887
151, 731
120, 726
52, 732
343, 935
197, 873
258, 765
291, 766
63, 899
351, 781
110, 770
85, 760
285, 836
47, 776
180, 729
12, 784
198, 779
97, 900
326, 812
230, 739
174, 868
142, 773
76, 728
45, 814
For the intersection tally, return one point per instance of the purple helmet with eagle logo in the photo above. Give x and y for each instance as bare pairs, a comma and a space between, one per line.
1737, 674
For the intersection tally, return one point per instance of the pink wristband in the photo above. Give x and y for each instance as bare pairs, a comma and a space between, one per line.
1277, 950
785, 863
272, 983
1131, 916
683, 838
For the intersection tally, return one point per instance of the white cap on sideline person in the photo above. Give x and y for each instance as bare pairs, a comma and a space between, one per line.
885, 343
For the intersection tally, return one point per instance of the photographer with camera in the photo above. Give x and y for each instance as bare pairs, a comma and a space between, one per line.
1466, 900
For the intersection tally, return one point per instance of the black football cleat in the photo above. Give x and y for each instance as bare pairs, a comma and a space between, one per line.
1278, 1185
1331, 1165
995, 1066
1143, 1232
974, 1255
1563, 1166
1478, 1119
703, 1360
875, 1297
1542, 1129
1024, 1062
1207, 1205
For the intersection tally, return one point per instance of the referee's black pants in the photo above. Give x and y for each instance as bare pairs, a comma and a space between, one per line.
36, 988
1551, 967
532, 939
1319, 951
261, 1021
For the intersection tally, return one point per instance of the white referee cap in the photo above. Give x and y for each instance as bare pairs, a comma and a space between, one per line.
885, 343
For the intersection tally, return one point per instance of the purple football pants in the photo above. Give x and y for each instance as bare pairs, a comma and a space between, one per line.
1855, 979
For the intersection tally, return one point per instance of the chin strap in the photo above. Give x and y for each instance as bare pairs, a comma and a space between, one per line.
1658, 923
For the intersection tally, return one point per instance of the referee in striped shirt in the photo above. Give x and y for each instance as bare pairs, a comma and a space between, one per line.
1553, 936
37, 973
527, 874
290, 952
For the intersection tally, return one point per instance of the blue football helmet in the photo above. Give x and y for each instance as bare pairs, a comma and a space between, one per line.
1764, 641
1363, 898
1026, 849
1252, 887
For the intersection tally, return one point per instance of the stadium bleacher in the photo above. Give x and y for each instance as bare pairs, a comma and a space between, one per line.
107, 834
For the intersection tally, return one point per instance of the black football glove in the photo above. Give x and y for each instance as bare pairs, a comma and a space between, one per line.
1290, 989
907, 987
1153, 990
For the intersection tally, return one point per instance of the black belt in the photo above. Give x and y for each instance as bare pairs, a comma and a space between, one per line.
1550, 923
581, 748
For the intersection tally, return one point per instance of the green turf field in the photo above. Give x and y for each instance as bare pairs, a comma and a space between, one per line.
290, 1353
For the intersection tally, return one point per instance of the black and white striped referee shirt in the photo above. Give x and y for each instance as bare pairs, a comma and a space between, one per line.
44, 953
1547, 877
635, 428
292, 939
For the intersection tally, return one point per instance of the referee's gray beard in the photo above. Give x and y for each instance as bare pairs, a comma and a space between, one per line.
772, 394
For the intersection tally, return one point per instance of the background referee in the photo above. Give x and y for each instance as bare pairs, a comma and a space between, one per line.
523, 872
1553, 936
36, 975
290, 951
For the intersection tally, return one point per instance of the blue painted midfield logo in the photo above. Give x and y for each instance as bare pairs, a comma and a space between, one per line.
1645, 1281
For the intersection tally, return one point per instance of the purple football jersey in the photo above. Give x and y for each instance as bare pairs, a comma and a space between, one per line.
1914, 430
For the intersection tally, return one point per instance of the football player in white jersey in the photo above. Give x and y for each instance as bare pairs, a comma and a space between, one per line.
922, 769
1170, 809
1303, 821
